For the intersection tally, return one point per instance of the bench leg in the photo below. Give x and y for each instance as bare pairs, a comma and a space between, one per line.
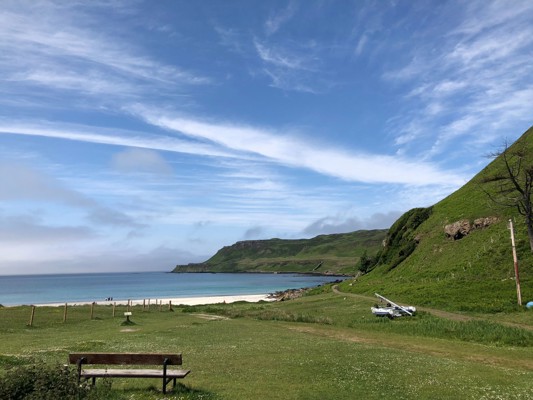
94, 380
166, 382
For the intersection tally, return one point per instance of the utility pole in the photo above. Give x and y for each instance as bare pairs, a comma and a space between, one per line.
515, 259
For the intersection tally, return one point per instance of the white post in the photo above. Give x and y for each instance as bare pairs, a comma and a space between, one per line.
515, 259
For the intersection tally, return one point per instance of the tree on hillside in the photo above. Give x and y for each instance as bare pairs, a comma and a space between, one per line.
512, 185
366, 263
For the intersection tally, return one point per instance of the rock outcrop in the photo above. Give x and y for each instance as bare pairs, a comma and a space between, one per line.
463, 227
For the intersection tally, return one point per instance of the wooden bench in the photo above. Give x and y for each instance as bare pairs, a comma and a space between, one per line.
164, 360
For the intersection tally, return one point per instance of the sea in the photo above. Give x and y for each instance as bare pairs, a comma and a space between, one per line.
64, 288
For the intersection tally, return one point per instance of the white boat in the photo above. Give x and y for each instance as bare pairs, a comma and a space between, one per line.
392, 310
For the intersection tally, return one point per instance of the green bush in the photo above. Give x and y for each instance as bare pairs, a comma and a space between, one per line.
401, 242
39, 382
48, 382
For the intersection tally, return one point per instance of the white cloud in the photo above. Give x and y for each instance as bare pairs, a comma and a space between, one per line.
55, 45
68, 259
21, 182
280, 58
231, 39
277, 20
476, 78
137, 160
91, 82
254, 233
361, 43
345, 224
482, 15
291, 151
291, 66
30, 229
104, 216
108, 136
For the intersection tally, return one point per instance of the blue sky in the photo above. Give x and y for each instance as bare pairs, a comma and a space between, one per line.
136, 135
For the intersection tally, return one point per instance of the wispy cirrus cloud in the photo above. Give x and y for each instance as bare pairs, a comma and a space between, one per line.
237, 141
58, 53
231, 38
107, 136
290, 66
289, 150
479, 80
277, 19
282, 58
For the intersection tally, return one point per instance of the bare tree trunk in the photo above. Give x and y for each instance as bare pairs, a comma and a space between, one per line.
529, 224
513, 187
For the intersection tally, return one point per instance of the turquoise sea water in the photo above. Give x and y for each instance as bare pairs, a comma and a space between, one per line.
38, 289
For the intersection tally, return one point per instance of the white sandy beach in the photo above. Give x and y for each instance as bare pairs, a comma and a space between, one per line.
189, 301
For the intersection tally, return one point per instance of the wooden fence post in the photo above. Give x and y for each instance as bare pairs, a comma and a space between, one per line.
114, 306
92, 309
515, 262
32, 315
65, 314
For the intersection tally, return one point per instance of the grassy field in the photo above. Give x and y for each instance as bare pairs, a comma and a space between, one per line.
323, 346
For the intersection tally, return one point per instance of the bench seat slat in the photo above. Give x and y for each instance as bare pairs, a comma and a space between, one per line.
126, 358
133, 373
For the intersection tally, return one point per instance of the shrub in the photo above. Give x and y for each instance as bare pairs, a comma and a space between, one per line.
39, 382
401, 242
47, 382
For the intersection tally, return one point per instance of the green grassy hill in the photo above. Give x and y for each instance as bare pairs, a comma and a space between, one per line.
420, 263
424, 266
324, 254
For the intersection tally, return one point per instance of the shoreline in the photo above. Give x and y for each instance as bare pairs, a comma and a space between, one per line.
176, 301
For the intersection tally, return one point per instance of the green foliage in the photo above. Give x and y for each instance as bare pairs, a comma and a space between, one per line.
401, 240
6, 360
366, 263
41, 382
325, 288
